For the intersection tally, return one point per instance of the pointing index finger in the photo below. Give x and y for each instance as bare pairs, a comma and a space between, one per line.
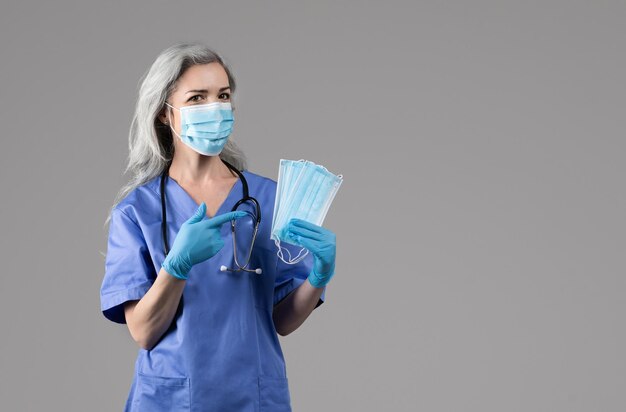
226, 217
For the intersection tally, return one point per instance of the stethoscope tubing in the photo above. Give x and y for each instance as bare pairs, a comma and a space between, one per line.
246, 197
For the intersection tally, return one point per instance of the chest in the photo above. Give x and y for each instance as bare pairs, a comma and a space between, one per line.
212, 195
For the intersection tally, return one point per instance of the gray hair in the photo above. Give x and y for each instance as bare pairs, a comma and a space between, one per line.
150, 142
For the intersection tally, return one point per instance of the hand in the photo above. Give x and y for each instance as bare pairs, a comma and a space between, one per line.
321, 243
197, 240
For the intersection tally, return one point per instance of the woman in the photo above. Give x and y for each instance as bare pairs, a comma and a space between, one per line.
207, 333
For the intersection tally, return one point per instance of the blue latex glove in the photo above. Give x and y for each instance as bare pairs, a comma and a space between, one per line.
197, 240
321, 242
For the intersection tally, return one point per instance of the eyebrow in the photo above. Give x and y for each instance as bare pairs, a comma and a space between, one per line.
206, 91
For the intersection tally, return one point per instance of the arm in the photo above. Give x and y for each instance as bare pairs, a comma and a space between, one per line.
196, 241
147, 319
289, 314
292, 311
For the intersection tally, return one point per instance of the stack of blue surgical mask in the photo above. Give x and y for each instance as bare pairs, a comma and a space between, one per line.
305, 191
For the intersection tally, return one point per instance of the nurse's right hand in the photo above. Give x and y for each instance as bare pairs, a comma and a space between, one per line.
197, 240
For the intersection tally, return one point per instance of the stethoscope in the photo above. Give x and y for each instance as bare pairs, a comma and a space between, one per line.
245, 198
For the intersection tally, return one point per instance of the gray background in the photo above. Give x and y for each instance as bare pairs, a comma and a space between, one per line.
480, 225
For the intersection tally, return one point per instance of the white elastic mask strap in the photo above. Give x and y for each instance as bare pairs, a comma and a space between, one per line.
290, 261
170, 122
174, 131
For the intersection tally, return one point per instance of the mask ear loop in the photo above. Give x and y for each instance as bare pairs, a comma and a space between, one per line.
290, 261
170, 122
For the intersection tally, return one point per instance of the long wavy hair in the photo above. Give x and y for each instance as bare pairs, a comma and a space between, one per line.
150, 142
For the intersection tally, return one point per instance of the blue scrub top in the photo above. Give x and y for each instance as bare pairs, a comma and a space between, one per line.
221, 352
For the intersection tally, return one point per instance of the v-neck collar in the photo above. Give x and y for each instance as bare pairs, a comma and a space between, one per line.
185, 206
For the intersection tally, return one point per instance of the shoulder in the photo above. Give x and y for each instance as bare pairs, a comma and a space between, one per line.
263, 189
258, 181
140, 201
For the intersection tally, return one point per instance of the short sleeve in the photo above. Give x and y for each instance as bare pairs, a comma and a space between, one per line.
129, 272
289, 277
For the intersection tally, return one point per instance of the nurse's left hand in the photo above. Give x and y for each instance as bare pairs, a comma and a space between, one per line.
321, 242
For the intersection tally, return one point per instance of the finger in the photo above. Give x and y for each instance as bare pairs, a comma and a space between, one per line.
307, 225
304, 232
199, 215
310, 244
248, 213
226, 217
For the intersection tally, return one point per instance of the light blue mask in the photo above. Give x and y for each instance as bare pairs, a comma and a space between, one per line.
205, 127
305, 191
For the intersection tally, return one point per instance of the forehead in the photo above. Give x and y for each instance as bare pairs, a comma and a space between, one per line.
203, 76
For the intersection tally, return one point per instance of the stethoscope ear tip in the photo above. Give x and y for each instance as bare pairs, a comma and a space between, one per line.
223, 268
258, 271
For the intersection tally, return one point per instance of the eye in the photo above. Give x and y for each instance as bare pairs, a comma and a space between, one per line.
225, 94
193, 98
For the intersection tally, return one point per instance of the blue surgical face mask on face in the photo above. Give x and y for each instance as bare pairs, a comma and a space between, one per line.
205, 128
